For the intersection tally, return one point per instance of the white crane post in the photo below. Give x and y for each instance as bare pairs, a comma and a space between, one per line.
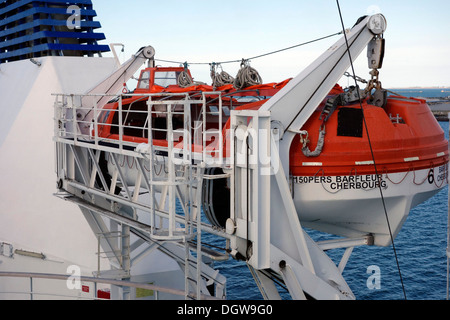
105, 90
292, 106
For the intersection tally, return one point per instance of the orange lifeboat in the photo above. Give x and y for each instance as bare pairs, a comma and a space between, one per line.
371, 162
404, 136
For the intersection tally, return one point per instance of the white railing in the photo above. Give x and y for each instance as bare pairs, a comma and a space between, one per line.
156, 289
77, 119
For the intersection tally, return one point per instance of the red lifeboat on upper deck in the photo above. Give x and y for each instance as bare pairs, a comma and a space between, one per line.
404, 136
399, 150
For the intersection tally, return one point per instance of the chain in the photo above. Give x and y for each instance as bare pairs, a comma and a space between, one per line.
374, 82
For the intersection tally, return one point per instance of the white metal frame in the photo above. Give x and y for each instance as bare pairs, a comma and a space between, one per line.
96, 281
79, 172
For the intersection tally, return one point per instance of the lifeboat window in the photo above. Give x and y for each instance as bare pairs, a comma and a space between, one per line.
350, 123
166, 78
103, 117
135, 119
144, 82
226, 111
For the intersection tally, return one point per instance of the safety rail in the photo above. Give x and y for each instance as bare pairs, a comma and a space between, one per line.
79, 118
77, 125
112, 282
113, 253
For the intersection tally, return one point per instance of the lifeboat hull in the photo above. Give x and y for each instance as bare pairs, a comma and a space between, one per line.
343, 191
352, 206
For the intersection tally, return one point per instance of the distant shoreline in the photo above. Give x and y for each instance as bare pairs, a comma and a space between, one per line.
419, 88
440, 106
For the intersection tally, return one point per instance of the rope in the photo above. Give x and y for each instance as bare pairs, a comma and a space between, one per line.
185, 81
220, 79
371, 150
247, 76
258, 56
320, 143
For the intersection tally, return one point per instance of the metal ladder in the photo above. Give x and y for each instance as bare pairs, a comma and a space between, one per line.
183, 175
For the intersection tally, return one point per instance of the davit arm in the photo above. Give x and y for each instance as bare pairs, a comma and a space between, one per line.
292, 106
110, 86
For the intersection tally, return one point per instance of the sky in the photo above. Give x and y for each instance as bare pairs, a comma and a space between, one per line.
417, 35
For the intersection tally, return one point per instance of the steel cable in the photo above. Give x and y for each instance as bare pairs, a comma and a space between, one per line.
258, 56
373, 156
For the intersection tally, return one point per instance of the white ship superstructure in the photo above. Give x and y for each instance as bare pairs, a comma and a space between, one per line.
39, 233
32, 218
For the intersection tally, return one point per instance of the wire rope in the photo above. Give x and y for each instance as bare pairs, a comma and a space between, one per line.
371, 150
257, 56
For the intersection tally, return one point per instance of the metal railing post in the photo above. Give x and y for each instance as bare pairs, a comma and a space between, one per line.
95, 122
31, 288
120, 124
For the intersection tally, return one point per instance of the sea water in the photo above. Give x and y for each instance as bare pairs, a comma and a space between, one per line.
424, 93
420, 249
